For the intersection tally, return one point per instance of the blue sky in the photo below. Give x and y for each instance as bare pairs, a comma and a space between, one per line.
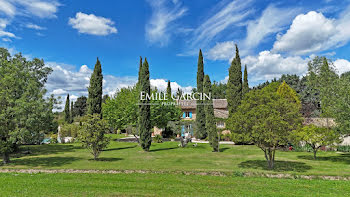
274, 37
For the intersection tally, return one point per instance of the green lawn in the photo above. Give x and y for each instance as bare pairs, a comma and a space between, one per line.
169, 157
163, 185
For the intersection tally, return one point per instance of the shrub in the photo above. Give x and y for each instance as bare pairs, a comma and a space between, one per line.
343, 148
158, 139
92, 135
53, 138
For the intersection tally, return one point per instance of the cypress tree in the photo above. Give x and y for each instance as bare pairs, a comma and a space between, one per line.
144, 120
234, 84
210, 124
94, 101
71, 112
140, 67
245, 85
200, 113
67, 116
168, 91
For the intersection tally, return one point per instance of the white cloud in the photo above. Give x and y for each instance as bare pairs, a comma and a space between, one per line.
271, 21
91, 24
161, 25
3, 33
34, 26
7, 8
162, 85
313, 32
40, 8
222, 51
59, 91
342, 65
229, 15
6, 39
268, 65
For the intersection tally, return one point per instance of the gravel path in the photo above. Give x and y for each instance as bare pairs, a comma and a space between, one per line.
212, 173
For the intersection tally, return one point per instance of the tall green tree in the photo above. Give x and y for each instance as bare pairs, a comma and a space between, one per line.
200, 112
144, 120
267, 117
92, 135
79, 108
71, 112
210, 123
67, 114
94, 101
245, 85
322, 85
168, 91
24, 111
234, 84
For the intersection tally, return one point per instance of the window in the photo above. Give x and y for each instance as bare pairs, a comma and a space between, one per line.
220, 124
187, 115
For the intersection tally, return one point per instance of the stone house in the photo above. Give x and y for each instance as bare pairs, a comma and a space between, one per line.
188, 108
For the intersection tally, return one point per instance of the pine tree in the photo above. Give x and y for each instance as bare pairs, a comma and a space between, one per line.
234, 84
200, 113
210, 124
71, 113
168, 91
144, 121
94, 101
67, 114
245, 85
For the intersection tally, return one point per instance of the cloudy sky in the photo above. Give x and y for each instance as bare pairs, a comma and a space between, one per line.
274, 37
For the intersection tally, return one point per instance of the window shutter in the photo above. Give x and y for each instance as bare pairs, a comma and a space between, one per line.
184, 115
190, 114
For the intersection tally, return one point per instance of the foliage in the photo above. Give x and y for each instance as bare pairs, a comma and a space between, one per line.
70, 130
53, 138
322, 80
267, 117
164, 111
210, 124
121, 110
245, 85
79, 108
218, 90
23, 109
200, 112
94, 101
234, 84
158, 139
67, 114
144, 119
316, 137
92, 135
343, 148
342, 106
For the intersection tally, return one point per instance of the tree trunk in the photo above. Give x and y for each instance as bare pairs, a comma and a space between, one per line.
6, 158
315, 151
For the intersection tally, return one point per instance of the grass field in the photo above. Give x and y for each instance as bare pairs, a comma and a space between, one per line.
163, 185
167, 161
168, 156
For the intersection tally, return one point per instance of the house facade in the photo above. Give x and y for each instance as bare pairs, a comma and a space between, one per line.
188, 108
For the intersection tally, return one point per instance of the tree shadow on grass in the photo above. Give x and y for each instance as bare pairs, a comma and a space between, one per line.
343, 158
279, 166
44, 161
107, 159
120, 148
223, 149
45, 149
161, 149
